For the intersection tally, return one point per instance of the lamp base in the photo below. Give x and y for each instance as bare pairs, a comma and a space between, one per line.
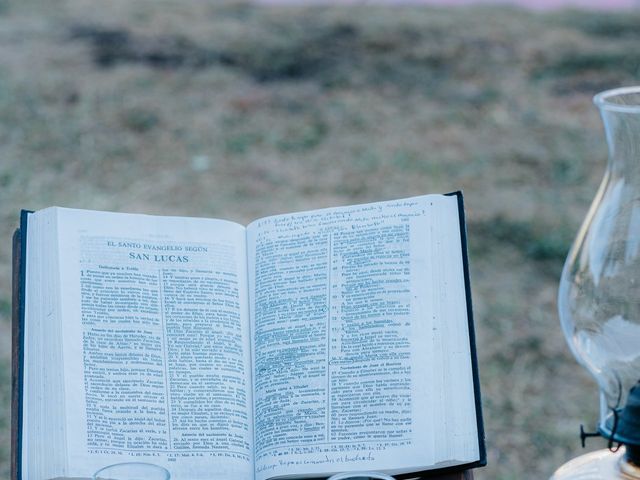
597, 466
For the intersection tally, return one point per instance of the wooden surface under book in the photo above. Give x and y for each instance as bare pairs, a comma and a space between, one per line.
15, 361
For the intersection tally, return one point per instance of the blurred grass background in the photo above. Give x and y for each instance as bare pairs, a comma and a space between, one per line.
223, 109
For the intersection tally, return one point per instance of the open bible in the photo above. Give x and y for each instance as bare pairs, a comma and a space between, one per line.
302, 345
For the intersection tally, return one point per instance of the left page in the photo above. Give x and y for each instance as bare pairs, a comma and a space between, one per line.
155, 344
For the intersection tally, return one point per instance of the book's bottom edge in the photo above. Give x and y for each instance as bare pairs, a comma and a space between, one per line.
415, 473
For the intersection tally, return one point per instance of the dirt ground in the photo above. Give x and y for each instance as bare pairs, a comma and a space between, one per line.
234, 111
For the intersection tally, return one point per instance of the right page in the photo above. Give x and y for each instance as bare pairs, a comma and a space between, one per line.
361, 345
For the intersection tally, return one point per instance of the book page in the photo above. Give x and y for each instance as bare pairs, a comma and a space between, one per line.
361, 344
42, 425
156, 344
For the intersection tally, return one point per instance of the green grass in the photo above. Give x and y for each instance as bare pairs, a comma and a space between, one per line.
228, 110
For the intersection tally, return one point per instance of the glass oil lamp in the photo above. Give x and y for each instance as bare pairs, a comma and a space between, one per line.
599, 295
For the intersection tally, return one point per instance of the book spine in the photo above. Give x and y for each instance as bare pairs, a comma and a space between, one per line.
16, 334
472, 336
17, 342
